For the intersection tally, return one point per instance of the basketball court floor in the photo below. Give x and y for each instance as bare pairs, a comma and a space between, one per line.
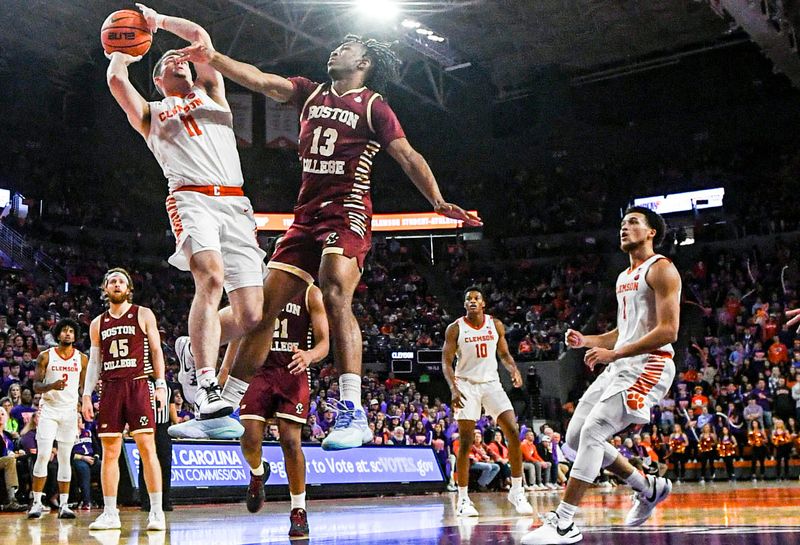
714, 514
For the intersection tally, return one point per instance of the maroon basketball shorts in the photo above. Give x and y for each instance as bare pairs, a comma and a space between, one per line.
338, 231
126, 402
275, 392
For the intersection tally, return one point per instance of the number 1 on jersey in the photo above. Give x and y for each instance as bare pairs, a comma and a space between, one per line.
481, 350
191, 125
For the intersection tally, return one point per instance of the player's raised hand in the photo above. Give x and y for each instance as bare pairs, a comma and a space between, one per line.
151, 16
574, 339
118, 56
87, 408
455, 212
198, 52
301, 359
795, 317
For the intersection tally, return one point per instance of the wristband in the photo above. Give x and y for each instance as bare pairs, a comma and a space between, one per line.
161, 384
159, 22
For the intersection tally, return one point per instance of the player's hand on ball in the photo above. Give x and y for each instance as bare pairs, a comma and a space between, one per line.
457, 401
124, 57
151, 16
301, 359
574, 339
197, 52
599, 355
455, 212
795, 317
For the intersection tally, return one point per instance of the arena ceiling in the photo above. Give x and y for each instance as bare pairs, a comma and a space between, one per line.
506, 41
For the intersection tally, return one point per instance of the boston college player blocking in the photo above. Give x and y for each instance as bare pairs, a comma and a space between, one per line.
126, 350
476, 340
639, 373
343, 125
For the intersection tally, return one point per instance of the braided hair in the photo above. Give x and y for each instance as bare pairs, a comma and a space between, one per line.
385, 64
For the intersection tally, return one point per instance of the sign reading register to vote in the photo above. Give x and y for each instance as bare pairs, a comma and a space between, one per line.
222, 464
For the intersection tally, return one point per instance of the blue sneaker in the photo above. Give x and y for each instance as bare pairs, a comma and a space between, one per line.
351, 429
223, 427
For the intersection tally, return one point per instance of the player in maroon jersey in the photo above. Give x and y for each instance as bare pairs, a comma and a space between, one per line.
126, 349
280, 389
343, 125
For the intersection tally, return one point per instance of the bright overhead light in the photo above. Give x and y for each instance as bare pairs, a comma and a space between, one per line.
424, 31
410, 23
435, 38
385, 10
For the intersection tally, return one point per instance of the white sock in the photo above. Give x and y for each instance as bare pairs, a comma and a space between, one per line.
63, 500
257, 471
350, 388
516, 483
155, 502
463, 493
566, 513
637, 481
37, 497
110, 504
233, 391
203, 373
298, 500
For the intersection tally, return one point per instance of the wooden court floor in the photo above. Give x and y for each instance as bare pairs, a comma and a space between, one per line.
714, 514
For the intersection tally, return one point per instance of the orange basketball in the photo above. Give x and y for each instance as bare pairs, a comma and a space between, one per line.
126, 31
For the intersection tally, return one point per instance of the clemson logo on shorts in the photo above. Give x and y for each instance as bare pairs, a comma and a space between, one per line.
298, 408
635, 401
331, 239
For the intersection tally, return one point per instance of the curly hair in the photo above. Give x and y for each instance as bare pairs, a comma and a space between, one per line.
385, 64
67, 322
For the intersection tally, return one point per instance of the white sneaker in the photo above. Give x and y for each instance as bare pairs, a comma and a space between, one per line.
64, 512
540, 487
465, 508
550, 534
551, 486
520, 502
351, 429
35, 511
209, 400
106, 521
644, 502
156, 522
187, 374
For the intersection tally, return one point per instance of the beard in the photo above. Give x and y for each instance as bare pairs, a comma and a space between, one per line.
67, 344
117, 298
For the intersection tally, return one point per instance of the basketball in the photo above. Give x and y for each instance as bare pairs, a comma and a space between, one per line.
126, 31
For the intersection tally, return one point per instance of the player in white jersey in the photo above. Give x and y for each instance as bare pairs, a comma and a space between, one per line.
476, 340
59, 375
190, 133
639, 374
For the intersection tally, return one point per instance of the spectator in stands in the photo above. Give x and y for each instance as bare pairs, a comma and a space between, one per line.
398, 437
698, 401
14, 368
12, 426
532, 464
758, 440
481, 462
546, 453
753, 412
85, 462
8, 465
29, 404
498, 452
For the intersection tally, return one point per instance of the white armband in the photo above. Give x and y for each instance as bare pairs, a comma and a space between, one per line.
92, 371
161, 384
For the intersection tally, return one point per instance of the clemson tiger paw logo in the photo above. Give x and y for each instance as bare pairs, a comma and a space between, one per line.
635, 401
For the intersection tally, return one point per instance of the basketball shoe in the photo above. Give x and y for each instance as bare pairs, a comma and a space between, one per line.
351, 429
224, 427
35, 511
520, 502
299, 523
64, 512
156, 522
549, 532
106, 521
255, 491
644, 502
187, 373
209, 400
465, 508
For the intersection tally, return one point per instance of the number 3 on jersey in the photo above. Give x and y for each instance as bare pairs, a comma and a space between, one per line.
329, 136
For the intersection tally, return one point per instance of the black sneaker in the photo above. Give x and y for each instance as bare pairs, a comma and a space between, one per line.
255, 492
298, 519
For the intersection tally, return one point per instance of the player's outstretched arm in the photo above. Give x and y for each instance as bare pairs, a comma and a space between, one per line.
132, 103
416, 167
275, 87
209, 79
505, 355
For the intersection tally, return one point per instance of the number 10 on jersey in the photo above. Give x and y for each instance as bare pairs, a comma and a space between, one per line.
481, 350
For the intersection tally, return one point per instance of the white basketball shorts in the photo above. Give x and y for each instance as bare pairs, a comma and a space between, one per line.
475, 395
58, 424
224, 224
